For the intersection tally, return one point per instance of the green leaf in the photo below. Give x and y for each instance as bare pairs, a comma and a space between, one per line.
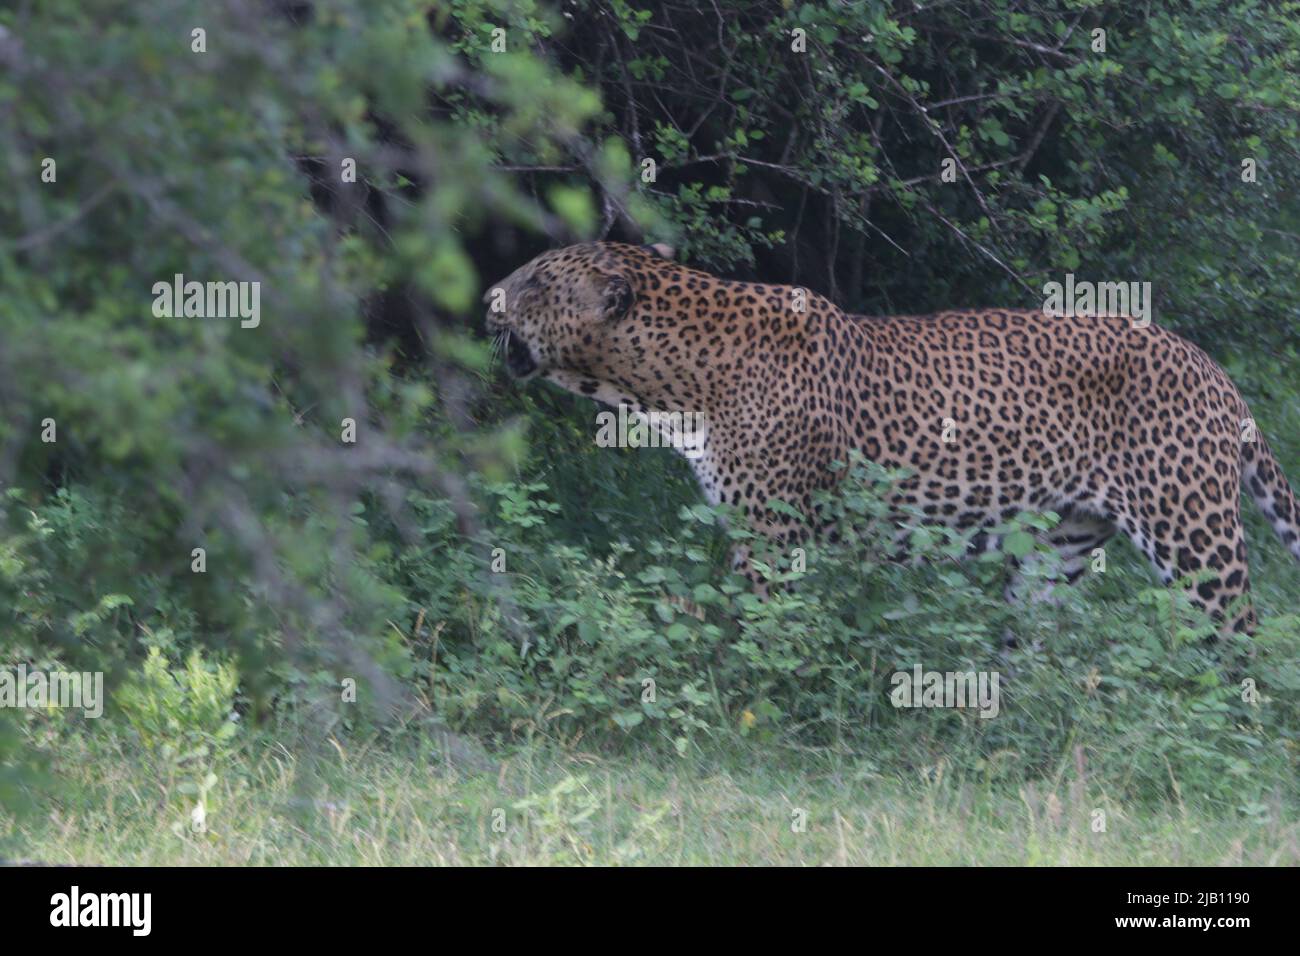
1018, 543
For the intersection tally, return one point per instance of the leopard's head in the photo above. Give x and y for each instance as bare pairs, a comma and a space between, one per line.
572, 311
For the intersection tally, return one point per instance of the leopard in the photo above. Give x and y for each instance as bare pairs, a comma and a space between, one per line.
1114, 425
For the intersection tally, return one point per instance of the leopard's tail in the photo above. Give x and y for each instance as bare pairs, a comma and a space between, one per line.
1263, 478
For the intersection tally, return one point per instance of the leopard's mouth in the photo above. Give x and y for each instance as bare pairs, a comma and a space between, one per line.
519, 357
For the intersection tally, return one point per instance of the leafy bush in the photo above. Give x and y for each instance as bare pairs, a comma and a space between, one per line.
1130, 676
185, 718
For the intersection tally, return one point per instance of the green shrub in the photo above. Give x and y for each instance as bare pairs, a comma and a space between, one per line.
185, 718
1131, 676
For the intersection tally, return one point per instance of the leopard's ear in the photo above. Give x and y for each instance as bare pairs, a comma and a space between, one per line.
661, 249
617, 297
